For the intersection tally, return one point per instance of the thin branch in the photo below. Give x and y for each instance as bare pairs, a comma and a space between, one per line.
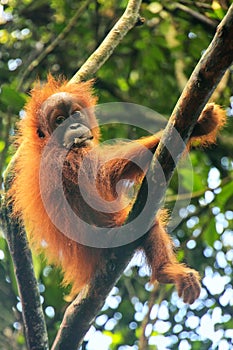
200, 5
112, 40
143, 340
157, 295
218, 57
201, 18
33, 317
197, 194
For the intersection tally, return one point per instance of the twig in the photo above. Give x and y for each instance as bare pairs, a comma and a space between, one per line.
79, 315
106, 48
197, 194
201, 18
156, 296
143, 340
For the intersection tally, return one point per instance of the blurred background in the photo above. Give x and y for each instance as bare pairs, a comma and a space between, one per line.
150, 67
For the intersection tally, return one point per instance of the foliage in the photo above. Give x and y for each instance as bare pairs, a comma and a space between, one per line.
149, 68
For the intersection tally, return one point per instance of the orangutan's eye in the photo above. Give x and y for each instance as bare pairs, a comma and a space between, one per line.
40, 134
60, 119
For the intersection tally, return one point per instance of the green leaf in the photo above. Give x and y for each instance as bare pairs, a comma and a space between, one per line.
225, 197
210, 234
11, 98
117, 337
2, 146
191, 180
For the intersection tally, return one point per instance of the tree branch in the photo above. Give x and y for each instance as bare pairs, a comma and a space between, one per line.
112, 40
198, 16
217, 58
33, 317
143, 340
157, 295
204, 79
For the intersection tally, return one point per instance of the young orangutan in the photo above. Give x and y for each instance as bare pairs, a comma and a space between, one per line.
64, 107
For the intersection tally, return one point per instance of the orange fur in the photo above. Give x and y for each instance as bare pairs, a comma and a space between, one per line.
79, 262
28, 206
